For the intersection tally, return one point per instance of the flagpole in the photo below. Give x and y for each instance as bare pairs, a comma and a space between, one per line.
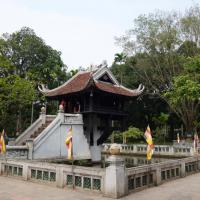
5, 157
3, 145
73, 177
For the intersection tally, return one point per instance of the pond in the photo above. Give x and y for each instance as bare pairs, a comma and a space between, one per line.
134, 161
130, 161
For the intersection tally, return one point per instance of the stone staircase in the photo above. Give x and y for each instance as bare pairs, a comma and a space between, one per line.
39, 130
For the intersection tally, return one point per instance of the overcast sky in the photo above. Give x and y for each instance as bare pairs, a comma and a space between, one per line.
83, 30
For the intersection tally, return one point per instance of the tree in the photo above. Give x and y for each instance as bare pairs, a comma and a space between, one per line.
161, 126
188, 49
16, 95
73, 72
120, 58
6, 67
190, 25
132, 135
25, 61
33, 59
160, 44
183, 98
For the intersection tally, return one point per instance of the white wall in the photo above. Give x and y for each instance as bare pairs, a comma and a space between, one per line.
51, 143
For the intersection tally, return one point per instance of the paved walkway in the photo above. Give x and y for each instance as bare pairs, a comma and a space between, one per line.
181, 189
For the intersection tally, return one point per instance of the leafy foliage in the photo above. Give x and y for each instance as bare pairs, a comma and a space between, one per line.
162, 119
16, 94
33, 59
132, 135
165, 49
25, 61
184, 99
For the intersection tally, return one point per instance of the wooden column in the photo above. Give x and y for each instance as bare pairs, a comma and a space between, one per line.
91, 119
91, 129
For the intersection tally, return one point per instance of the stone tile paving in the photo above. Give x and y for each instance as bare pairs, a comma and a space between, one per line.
187, 188
181, 189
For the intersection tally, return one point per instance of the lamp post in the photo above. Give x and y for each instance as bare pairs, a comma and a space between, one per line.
32, 112
32, 109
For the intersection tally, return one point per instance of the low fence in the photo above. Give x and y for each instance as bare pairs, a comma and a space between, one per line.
55, 174
17, 152
155, 174
103, 180
165, 150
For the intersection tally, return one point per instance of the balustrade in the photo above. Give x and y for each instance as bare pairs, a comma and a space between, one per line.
158, 149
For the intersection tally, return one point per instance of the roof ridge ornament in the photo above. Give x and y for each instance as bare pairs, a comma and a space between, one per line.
140, 88
43, 88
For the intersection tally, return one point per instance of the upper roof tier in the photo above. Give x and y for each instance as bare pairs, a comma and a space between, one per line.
101, 79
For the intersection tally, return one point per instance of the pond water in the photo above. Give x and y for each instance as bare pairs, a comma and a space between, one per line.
134, 161
130, 161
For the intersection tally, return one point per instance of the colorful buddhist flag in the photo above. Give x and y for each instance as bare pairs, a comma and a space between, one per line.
149, 141
148, 136
68, 142
2, 143
149, 152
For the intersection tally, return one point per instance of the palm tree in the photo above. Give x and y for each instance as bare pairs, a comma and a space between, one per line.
120, 58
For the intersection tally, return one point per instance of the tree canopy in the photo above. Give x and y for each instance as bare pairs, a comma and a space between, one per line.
32, 58
163, 50
25, 61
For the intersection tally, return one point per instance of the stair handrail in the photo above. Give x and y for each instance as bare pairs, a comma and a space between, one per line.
51, 117
49, 129
29, 131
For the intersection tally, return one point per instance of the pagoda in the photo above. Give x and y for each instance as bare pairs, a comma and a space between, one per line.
99, 98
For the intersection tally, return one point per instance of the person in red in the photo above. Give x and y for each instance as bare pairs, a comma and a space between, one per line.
63, 103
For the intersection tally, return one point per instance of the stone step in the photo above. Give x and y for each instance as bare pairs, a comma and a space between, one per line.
40, 129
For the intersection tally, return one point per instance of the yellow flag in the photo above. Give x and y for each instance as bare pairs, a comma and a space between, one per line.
149, 152
68, 142
148, 136
2, 143
149, 141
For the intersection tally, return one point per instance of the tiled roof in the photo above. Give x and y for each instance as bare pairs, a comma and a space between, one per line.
81, 82
76, 84
107, 87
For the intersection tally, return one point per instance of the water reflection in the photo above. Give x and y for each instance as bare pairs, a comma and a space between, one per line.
134, 161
